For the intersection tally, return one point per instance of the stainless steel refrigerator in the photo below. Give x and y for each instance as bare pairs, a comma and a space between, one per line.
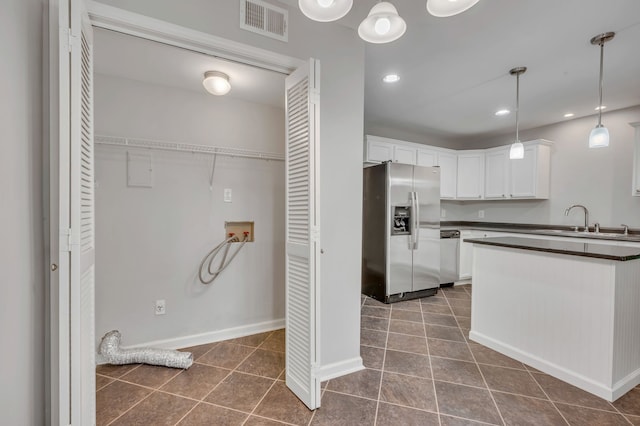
401, 232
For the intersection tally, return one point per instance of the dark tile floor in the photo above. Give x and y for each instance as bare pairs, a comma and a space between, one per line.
421, 370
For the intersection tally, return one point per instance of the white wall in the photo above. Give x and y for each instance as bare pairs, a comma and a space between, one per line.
341, 53
598, 178
150, 241
22, 287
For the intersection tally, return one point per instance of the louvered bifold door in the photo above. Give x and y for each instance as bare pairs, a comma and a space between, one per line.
302, 234
82, 220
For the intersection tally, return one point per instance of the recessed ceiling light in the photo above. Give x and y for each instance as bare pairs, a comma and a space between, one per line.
391, 78
598, 108
569, 115
502, 112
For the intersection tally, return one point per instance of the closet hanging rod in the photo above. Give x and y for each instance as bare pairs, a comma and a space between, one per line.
183, 147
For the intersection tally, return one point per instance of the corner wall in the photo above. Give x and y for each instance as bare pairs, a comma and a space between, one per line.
22, 388
150, 241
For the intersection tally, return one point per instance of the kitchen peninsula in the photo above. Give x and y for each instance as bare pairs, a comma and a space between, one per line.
569, 309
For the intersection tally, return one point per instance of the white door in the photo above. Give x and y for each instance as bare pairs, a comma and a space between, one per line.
302, 233
72, 224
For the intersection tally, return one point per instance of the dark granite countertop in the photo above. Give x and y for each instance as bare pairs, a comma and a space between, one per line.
595, 250
605, 233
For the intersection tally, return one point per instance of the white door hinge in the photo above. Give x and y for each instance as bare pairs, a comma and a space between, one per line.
65, 240
314, 233
314, 96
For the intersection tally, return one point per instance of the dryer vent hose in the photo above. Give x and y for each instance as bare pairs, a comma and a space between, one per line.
110, 349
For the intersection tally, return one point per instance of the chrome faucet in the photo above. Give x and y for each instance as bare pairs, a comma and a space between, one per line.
625, 229
586, 215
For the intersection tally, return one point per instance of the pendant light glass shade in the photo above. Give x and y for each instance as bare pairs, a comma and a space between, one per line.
382, 25
325, 10
599, 136
516, 152
445, 8
216, 82
517, 149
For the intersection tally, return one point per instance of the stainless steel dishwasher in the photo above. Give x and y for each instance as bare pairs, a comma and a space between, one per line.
449, 249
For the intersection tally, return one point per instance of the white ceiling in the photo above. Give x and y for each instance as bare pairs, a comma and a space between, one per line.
156, 63
454, 71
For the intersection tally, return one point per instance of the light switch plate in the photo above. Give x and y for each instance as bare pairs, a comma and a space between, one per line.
481, 214
227, 195
443, 213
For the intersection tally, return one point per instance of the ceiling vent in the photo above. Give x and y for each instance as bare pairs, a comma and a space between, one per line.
264, 18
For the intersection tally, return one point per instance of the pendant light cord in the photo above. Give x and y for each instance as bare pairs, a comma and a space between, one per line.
601, 72
517, 107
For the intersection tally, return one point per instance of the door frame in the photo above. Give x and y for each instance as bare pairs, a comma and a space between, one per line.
130, 23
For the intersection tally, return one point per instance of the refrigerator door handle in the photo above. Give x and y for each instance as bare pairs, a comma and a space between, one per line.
415, 213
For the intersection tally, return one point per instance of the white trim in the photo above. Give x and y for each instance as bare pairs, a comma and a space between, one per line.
337, 369
599, 389
208, 337
123, 21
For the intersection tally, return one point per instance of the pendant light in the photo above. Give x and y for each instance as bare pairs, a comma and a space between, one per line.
325, 10
216, 82
517, 149
382, 25
599, 137
445, 8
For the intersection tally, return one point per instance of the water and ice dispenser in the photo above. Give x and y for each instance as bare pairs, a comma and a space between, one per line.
401, 220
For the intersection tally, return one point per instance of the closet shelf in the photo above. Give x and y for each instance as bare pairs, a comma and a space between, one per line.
183, 147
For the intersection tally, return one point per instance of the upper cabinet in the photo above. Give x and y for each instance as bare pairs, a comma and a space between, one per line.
470, 184
527, 178
448, 174
377, 151
479, 174
635, 189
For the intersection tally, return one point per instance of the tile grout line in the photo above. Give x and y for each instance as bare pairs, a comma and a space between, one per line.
260, 401
384, 359
480, 370
547, 395
433, 380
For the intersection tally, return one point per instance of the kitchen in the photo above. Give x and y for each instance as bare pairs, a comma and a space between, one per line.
606, 194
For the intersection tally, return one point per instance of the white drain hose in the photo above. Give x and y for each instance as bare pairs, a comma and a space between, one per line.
210, 257
110, 349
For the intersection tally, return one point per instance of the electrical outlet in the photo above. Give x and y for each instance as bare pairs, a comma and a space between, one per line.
443, 213
161, 307
227, 195
481, 214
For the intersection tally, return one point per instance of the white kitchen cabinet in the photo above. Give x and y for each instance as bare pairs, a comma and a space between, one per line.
635, 189
377, 151
465, 255
427, 157
448, 174
404, 155
470, 179
529, 177
496, 174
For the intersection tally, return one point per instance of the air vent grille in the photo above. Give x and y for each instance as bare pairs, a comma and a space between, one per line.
265, 19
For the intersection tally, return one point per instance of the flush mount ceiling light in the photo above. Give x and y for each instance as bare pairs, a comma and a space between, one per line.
382, 25
445, 8
502, 112
517, 149
216, 83
598, 108
325, 10
599, 136
391, 78
569, 115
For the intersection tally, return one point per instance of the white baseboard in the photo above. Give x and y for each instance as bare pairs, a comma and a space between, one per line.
463, 281
578, 380
337, 369
209, 337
